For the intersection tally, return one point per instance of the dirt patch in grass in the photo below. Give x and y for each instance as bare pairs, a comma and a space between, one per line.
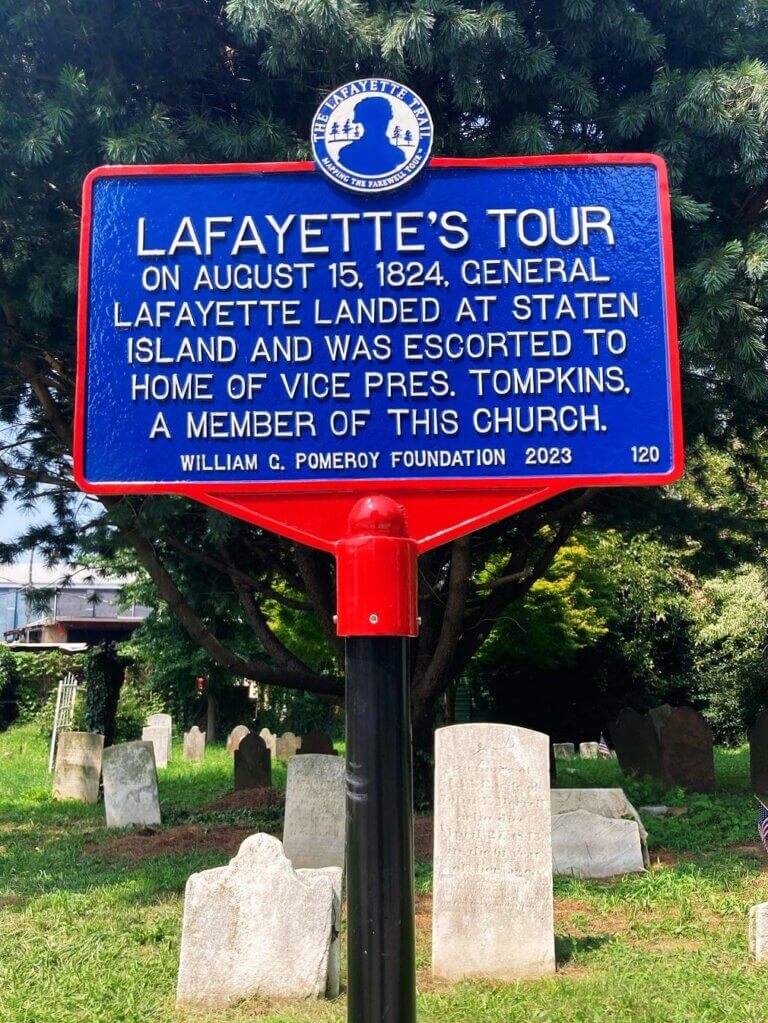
149, 843
11, 900
424, 913
246, 799
423, 836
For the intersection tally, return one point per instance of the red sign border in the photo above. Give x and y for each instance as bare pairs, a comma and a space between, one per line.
508, 492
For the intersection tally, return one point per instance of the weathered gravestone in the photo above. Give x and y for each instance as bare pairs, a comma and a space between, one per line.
564, 750
270, 740
158, 736
315, 811
758, 932
687, 752
236, 736
253, 764
588, 750
259, 927
317, 742
659, 716
758, 754
286, 746
164, 721
130, 785
611, 803
637, 745
588, 845
194, 745
492, 905
78, 766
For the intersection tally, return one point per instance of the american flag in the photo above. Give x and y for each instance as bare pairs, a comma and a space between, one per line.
762, 823
603, 748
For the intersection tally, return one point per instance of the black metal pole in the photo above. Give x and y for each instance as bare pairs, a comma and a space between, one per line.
381, 957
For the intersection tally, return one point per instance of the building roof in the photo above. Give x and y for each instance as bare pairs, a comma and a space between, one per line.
38, 575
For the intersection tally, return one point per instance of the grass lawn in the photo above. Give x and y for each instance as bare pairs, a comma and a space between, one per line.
88, 934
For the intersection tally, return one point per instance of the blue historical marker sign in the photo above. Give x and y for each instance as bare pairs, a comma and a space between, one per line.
494, 322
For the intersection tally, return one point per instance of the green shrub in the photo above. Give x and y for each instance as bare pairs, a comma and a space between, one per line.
39, 674
137, 702
10, 685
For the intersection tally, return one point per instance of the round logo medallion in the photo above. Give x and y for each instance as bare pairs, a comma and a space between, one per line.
372, 135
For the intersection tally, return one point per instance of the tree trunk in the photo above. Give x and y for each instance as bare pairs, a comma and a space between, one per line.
210, 717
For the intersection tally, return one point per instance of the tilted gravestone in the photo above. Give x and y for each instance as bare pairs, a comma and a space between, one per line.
259, 927
564, 750
687, 752
253, 764
589, 750
315, 811
286, 746
164, 721
758, 754
270, 740
194, 745
130, 785
492, 903
611, 803
317, 742
637, 745
589, 845
236, 736
78, 766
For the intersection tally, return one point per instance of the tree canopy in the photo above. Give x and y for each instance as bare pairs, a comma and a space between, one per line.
84, 82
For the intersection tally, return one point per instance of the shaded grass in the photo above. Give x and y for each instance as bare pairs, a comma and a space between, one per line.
84, 939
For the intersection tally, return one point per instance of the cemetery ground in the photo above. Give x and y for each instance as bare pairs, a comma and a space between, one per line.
90, 919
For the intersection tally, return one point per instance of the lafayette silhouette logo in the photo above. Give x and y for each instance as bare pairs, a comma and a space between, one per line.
372, 135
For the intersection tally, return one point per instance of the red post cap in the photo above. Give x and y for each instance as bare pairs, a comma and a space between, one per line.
376, 575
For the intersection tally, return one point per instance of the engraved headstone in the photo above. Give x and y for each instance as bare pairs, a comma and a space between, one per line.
758, 754
270, 740
588, 750
286, 746
130, 785
564, 750
637, 744
758, 932
164, 721
687, 752
236, 736
253, 764
194, 745
78, 766
259, 927
160, 721
158, 736
317, 742
588, 845
315, 811
492, 904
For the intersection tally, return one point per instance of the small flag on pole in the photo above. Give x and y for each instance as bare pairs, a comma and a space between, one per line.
762, 823
603, 748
